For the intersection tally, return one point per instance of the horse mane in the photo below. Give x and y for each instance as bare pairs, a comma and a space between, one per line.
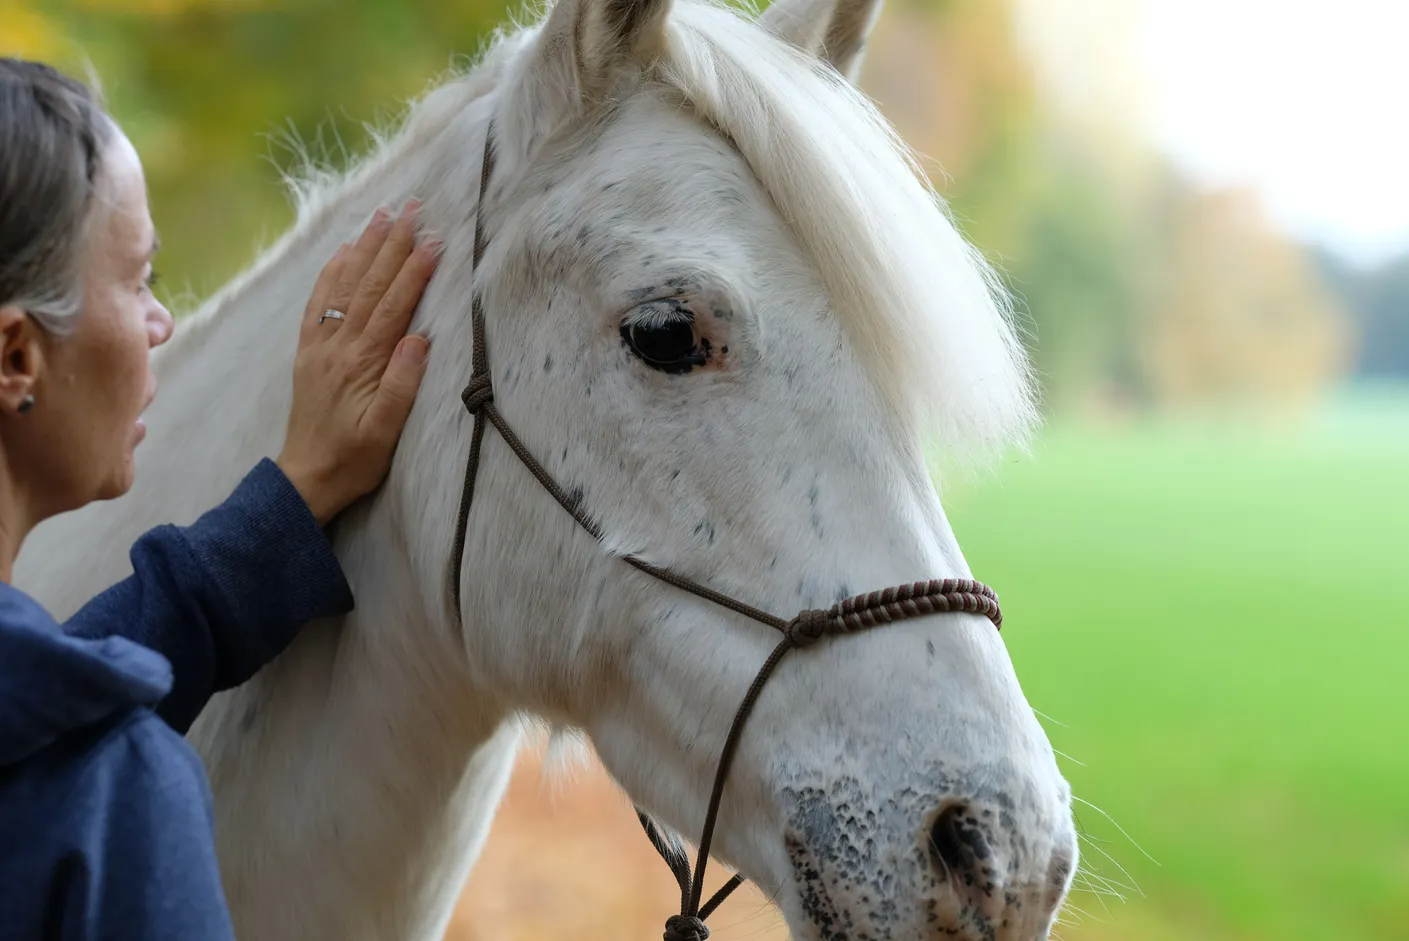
923, 310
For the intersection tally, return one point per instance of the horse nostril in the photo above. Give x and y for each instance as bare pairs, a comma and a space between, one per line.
958, 843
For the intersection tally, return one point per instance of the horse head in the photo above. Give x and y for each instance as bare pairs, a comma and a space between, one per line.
722, 309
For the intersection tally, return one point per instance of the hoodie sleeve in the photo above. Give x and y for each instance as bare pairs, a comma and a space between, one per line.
222, 597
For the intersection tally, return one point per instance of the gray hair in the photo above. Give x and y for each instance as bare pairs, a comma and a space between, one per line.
53, 133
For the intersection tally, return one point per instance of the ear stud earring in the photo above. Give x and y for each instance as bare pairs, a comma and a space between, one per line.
26, 403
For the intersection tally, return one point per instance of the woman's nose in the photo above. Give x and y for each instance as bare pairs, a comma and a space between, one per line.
160, 324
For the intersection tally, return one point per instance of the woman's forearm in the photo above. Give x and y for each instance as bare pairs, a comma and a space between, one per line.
223, 596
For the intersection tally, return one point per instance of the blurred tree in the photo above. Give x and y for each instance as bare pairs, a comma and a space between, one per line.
213, 93
1242, 316
1378, 298
24, 32
953, 79
1122, 269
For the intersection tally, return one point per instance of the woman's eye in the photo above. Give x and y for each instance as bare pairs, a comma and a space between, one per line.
666, 343
150, 281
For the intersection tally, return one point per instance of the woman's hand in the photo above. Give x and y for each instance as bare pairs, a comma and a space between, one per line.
355, 379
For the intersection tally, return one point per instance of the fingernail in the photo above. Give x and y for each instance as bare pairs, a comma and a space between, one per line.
382, 214
413, 349
412, 206
434, 245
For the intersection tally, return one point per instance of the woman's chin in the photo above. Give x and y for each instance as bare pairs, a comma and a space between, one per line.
120, 480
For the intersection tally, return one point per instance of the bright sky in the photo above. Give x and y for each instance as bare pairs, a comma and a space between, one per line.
1307, 100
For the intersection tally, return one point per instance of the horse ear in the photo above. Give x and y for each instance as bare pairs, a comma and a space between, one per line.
833, 30
599, 36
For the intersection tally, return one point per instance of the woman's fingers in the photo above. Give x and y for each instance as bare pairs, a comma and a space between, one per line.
396, 393
322, 291
392, 315
392, 254
357, 261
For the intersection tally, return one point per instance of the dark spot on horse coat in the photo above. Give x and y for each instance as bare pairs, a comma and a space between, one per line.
248, 720
814, 518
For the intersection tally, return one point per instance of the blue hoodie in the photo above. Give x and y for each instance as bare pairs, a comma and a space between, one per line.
106, 829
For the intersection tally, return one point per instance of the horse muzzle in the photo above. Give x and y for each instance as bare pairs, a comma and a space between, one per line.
957, 862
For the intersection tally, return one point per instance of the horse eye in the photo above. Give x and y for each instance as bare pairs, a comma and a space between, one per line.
664, 343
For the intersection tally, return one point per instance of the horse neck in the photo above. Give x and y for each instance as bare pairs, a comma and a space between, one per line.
361, 767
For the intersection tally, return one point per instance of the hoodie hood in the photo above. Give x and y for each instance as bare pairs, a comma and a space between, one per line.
51, 683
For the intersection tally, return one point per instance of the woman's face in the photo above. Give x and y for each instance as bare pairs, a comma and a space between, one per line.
97, 379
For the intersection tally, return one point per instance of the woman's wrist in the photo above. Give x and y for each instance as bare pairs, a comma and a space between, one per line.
313, 486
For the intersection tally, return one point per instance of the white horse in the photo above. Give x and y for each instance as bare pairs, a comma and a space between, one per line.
658, 163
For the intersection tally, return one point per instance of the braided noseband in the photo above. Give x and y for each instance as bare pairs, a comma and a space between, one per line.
850, 616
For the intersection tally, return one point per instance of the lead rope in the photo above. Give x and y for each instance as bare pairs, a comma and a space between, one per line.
852, 615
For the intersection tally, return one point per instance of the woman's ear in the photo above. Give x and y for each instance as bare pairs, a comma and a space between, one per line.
21, 359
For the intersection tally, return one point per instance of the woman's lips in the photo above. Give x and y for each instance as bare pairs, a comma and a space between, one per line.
142, 422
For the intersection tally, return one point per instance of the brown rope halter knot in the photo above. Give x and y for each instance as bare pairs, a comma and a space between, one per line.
850, 616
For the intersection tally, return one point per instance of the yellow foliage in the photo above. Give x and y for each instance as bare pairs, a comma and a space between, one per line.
158, 8
25, 33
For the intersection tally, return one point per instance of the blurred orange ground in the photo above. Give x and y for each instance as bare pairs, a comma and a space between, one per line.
566, 858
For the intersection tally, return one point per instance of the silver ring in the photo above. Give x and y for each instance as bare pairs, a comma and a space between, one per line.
331, 314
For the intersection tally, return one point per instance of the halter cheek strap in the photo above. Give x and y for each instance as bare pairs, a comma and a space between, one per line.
853, 615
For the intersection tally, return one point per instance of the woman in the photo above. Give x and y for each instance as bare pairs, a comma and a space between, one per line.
105, 812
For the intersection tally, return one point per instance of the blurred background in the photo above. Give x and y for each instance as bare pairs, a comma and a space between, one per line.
1203, 208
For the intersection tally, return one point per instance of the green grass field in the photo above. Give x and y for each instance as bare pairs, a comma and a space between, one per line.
1215, 621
